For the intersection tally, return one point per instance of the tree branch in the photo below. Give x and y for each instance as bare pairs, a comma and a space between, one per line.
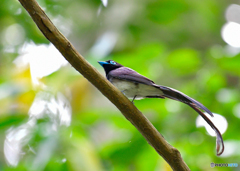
154, 138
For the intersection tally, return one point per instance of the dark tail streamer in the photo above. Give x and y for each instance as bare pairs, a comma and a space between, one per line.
219, 139
176, 95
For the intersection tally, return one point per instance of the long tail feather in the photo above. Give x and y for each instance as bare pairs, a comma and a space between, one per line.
176, 95
219, 139
179, 96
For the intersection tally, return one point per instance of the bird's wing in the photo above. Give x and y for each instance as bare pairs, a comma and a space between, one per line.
128, 74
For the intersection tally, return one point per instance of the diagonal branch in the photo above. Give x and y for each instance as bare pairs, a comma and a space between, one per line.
154, 138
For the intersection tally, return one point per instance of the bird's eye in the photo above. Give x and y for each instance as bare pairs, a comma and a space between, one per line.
112, 62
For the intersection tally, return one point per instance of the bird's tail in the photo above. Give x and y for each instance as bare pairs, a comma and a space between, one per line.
176, 95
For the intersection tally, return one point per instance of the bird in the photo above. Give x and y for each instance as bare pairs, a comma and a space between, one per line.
136, 86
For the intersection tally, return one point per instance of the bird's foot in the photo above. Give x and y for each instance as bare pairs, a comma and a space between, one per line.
133, 99
123, 92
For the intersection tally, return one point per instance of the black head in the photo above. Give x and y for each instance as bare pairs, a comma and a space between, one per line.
109, 65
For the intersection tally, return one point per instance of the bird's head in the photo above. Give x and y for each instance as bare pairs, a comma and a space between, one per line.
109, 65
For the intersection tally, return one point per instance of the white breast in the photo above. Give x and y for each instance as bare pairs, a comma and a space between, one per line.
131, 89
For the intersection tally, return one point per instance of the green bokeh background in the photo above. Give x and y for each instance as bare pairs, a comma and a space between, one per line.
175, 43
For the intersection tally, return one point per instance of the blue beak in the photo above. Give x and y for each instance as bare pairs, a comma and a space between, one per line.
102, 63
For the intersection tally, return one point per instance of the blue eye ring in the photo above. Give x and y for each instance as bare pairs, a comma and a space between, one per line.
112, 62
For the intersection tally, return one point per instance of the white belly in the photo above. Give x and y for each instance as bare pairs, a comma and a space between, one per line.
139, 90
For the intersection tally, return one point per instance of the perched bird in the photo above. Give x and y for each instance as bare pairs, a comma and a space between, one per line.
135, 86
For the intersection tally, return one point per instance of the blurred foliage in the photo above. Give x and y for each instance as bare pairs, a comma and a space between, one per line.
175, 43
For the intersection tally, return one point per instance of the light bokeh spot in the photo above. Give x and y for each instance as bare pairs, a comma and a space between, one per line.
42, 59
218, 120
